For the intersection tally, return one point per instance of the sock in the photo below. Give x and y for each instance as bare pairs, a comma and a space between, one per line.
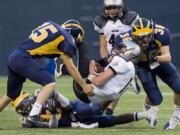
140, 115
125, 118
36, 109
177, 111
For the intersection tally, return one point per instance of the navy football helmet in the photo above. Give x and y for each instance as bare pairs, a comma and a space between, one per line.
75, 29
24, 103
143, 32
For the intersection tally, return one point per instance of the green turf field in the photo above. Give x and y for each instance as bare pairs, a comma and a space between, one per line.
9, 120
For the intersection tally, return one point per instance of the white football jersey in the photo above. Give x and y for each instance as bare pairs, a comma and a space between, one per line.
112, 28
115, 86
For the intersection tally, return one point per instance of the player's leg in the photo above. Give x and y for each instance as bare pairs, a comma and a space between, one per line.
23, 64
110, 108
14, 86
154, 97
110, 120
41, 76
171, 77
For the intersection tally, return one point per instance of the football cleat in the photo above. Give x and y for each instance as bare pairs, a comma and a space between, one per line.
152, 116
37, 121
172, 123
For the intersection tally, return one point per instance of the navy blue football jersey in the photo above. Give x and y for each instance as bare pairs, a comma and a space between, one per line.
49, 40
162, 37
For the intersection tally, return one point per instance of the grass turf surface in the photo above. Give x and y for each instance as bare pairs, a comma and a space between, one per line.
129, 102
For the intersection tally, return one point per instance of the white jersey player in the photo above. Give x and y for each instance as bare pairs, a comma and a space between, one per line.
109, 85
113, 22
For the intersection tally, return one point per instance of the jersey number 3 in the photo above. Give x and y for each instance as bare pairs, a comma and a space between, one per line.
41, 33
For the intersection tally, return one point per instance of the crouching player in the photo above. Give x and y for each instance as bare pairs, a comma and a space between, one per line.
59, 112
48, 40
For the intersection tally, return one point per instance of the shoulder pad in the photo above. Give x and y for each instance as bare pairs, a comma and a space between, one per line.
128, 17
163, 35
100, 21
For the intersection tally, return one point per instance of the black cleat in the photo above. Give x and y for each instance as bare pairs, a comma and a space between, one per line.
37, 121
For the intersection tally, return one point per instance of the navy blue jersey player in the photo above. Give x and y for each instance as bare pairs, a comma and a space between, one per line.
155, 59
59, 112
48, 40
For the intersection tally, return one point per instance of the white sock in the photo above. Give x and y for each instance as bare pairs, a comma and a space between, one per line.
36, 109
177, 111
141, 115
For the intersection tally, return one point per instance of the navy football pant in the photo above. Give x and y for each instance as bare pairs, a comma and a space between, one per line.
21, 66
168, 74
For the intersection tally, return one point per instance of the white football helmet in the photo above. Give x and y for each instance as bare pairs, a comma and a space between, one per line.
113, 8
118, 3
130, 54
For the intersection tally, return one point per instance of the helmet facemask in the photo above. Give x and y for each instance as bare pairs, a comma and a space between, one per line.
143, 35
113, 11
113, 8
144, 40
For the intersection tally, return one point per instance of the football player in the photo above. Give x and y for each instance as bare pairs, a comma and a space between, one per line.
59, 112
113, 81
82, 58
116, 19
48, 40
154, 40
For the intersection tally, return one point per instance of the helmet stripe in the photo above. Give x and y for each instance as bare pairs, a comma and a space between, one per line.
134, 26
148, 25
141, 24
16, 102
76, 25
143, 31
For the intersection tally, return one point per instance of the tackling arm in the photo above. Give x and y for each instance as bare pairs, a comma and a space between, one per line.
103, 46
87, 88
165, 55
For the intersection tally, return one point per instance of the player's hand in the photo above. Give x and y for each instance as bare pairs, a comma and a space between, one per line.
58, 70
92, 67
88, 89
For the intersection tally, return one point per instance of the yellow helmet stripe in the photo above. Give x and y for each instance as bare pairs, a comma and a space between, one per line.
148, 24
141, 24
72, 24
141, 32
16, 102
134, 26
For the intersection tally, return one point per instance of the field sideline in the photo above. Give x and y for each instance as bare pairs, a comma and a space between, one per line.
129, 102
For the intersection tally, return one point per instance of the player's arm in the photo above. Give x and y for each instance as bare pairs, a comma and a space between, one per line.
164, 36
103, 46
104, 77
75, 73
165, 55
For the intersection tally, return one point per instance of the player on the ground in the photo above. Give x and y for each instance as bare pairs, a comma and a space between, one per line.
48, 40
116, 19
155, 59
59, 112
